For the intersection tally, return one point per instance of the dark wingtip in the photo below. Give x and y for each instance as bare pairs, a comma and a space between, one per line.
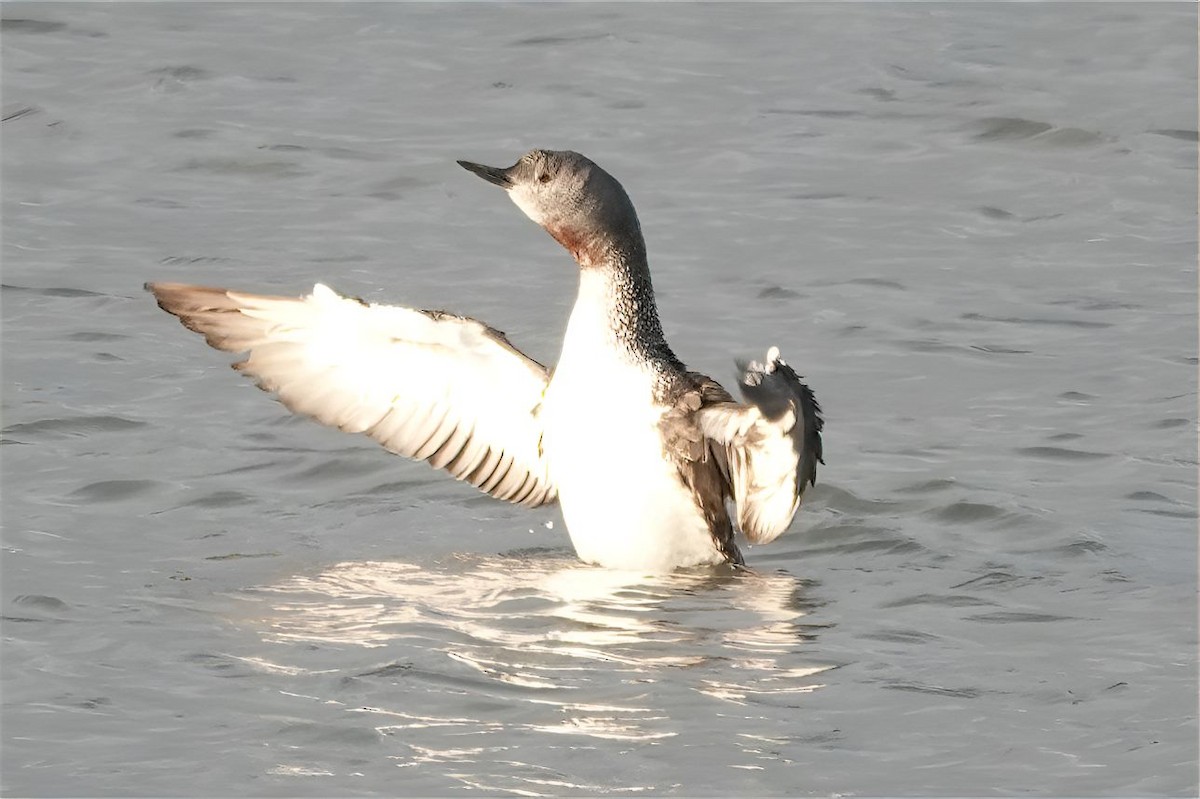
810, 410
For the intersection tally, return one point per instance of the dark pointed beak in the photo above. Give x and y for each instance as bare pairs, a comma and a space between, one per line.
491, 174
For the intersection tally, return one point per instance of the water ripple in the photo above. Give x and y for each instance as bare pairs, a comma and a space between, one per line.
112, 491
1062, 453
1013, 129
16, 25
1010, 616
72, 426
537, 629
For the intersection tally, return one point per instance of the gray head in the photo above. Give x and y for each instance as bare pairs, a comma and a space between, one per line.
583, 207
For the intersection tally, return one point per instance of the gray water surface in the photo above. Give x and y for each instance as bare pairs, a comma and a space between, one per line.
971, 227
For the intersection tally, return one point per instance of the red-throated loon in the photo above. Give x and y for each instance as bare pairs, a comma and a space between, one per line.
644, 456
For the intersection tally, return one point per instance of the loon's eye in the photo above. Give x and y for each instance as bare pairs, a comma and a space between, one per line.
544, 177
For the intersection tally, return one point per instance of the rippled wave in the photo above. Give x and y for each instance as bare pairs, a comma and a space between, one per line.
589, 644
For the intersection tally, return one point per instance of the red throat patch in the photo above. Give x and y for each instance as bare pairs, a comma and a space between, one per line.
575, 244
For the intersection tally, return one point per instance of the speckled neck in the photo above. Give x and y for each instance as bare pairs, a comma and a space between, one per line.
621, 282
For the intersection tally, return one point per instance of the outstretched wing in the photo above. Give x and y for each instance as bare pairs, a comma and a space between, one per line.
772, 445
425, 384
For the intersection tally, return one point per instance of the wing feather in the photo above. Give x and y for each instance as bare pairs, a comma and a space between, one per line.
453, 446
492, 482
772, 445
424, 384
487, 467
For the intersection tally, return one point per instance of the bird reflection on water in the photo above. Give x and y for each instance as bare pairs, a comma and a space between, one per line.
600, 648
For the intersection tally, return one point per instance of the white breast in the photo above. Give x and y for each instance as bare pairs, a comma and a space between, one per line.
623, 502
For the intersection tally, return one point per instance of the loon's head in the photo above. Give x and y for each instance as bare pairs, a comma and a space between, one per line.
583, 207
